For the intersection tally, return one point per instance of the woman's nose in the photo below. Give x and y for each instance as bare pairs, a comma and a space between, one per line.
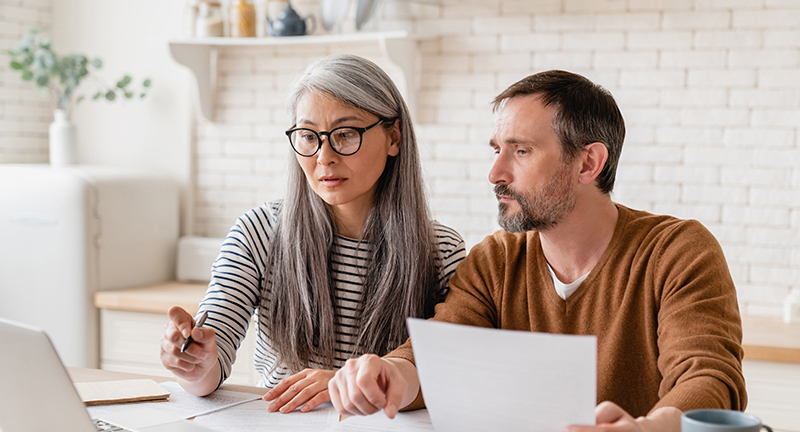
326, 155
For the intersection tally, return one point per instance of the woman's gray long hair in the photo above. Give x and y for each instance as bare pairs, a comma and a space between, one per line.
400, 278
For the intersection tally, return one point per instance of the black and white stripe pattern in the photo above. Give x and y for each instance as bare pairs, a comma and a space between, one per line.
237, 290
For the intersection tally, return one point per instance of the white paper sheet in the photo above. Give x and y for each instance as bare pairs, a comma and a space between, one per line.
183, 404
254, 417
478, 379
412, 421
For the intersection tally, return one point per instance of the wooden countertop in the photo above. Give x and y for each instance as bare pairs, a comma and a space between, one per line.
765, 338
769, 338
153, 299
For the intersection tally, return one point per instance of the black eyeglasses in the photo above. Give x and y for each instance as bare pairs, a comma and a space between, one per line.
344, 140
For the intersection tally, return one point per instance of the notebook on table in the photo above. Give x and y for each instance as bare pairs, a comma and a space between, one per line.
36, 393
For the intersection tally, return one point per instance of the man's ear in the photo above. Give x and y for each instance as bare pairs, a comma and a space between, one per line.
395, 135
593, 158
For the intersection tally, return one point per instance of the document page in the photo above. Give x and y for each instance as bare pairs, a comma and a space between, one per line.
254, 417
478, 379
411, 421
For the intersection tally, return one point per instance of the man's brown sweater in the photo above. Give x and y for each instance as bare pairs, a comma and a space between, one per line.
661, 302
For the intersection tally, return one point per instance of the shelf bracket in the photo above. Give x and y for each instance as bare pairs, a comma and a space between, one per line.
202, 61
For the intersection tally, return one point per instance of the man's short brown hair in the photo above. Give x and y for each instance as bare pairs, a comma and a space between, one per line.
584, 112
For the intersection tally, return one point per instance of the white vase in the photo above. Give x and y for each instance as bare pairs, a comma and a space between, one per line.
63, 140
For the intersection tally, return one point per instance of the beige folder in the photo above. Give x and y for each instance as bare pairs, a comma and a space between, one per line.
121, 392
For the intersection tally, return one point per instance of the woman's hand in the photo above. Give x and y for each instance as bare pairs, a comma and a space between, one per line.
196, 368
610, 417
308, 388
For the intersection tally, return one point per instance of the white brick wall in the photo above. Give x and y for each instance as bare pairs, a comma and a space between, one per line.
25, 113
710, 90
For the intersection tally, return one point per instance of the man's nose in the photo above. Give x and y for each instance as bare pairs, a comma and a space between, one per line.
500, 172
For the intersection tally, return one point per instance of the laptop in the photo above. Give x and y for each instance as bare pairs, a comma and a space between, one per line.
36, 393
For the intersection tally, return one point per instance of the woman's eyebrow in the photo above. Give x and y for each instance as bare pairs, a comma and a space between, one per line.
335, 122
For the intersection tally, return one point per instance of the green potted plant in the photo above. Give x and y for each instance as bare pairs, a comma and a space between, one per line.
60, 76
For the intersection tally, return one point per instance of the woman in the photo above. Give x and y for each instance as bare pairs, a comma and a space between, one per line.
333, 270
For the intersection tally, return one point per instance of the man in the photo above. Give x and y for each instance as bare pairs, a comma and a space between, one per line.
655, 290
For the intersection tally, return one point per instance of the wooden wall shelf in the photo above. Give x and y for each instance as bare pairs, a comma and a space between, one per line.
200, 56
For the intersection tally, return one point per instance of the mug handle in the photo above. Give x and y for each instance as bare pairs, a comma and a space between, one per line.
765, 427
314, 28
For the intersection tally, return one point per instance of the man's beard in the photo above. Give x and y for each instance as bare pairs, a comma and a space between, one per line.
541, 210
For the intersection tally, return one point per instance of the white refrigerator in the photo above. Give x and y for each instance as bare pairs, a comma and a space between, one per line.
66, 233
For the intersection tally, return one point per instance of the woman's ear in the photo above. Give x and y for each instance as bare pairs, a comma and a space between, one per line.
396, 136
594, 158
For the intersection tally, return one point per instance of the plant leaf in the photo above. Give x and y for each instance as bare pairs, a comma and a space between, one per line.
16, 65
80, 98
146, 83
128, 95
97, 63
141, 96
110, 95
124, 81
97, 95
42, 80
27, 75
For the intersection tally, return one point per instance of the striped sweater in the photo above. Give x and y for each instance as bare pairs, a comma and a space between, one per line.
236, 291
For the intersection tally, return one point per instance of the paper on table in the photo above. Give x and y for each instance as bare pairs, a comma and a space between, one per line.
254, 417
183, 404
477, 379
418, 420
120, 392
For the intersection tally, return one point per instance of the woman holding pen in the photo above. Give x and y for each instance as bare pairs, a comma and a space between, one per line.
333, 269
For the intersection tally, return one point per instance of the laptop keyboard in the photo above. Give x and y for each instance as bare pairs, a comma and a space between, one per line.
103, 426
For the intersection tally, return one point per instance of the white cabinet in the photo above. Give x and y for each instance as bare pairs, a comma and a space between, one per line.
132, 323
130, 343
773, 390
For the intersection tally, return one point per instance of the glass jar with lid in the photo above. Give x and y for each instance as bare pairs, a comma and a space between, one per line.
209, 19
243, 19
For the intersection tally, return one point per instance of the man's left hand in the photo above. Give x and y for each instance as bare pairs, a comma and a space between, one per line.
609, 417
308, 388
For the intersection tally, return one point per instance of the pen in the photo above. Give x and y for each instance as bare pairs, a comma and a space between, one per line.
198, 324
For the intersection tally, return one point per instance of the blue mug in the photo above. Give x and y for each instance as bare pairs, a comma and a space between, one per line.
719, 420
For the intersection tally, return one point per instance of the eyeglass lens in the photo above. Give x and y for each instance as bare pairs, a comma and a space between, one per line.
344, 140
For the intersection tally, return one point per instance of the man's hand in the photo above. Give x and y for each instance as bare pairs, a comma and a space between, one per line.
371, 383
308, 388
609, 417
